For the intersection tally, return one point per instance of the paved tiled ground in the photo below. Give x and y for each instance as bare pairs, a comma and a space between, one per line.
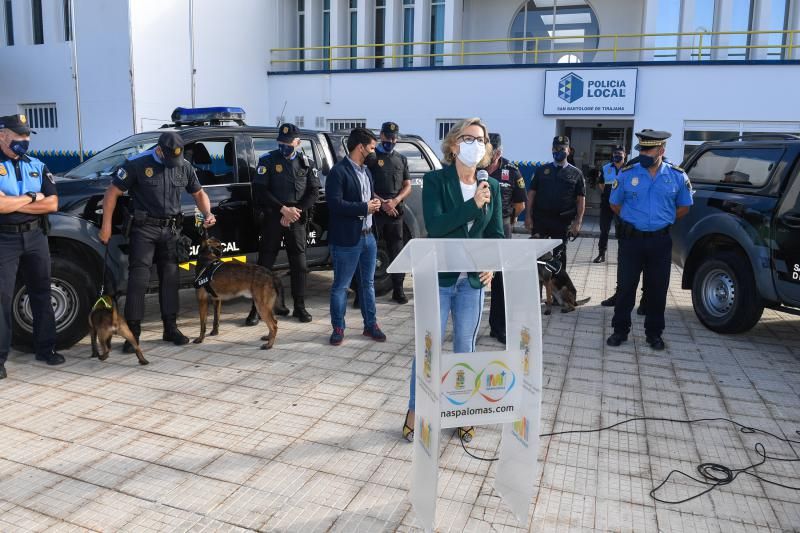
306, 437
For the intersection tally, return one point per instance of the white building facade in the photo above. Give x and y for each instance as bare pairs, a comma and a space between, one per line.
701, 69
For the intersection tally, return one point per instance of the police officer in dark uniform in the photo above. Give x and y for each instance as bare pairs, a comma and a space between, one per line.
648, 197
556, 199
155, 179
392, 185
27, 195
608, 174
285, 188
512, 196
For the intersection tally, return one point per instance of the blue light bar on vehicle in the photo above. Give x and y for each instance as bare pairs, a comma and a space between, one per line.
195, 115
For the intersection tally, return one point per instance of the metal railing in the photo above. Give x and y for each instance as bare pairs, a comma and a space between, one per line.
533, 49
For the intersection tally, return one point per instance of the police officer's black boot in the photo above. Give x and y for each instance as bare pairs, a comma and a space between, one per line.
399, 295
136, 328
172, 333
298, 281
280, 308
601, 257
3, 374
253, 317
300, 311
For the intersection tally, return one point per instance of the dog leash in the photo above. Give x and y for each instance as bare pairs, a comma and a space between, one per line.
103, 300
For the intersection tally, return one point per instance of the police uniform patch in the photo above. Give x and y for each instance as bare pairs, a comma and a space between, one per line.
381, 162
278, 168
3, 171
504, 175
34, 174
547, 171
50, 178
122, 174
148, 172
285, 129
23, 119
177, 152
521, 183
635, 182
261, 170
615, 184
391, 127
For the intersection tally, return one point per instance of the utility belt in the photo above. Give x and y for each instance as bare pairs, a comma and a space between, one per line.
629, 231
22, 228
142, 218
567, 214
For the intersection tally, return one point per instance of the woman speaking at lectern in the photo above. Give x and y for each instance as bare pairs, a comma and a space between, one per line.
459, 204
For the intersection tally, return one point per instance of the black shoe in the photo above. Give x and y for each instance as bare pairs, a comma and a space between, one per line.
280, 310
616, 339
641, 310
600, 258
173, 334
136, 328
53, 358
3, 374
656, 343
399, 296
501, 337
609, 302
253, 318
301, 314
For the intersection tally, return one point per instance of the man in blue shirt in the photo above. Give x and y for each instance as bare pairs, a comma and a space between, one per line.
27, 195
609, 173
648, 197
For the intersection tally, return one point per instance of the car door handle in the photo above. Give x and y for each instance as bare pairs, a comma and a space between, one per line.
791, 219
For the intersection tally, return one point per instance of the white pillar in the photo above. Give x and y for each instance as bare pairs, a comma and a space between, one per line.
794, 24
394, 31
687, 25
649, 15
722, 22
339, 34
422, 31
453, 11
761, 21
366, 32
313, 33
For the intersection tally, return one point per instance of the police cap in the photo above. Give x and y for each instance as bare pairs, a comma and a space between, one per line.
496, 140
390, 129
287, 132
560, 140
16, 123
618, 148
651, 138
171, 144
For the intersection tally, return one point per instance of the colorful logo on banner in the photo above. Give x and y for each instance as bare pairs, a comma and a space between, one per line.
525, 347
492, 383
425, 435
570, 87
520, 430
426, 365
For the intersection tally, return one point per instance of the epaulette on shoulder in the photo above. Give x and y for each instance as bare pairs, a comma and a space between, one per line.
626, 168
676, 167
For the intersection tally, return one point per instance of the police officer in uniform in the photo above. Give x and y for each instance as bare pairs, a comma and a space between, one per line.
512, 196
285, 188
27, 195
556, 199
154, 179
392, 185
608, 174
648, 197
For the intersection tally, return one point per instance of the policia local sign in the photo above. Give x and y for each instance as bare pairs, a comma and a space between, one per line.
590, 92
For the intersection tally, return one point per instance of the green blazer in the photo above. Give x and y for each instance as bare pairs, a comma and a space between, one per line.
447, 214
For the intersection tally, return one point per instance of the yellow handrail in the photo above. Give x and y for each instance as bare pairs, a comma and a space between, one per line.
462, 52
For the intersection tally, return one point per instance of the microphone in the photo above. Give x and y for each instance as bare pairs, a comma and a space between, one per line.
483, 177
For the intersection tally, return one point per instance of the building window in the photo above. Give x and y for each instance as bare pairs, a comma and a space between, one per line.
568, 28
353, 32
741, 21
380, 32
38, 23
704, 11
443, 126
437, 32
301, 32
408, 32
319, 123
300, 121
41, 116
335, 124
326, 31
67, 20
9, 12
778, 20
668, 20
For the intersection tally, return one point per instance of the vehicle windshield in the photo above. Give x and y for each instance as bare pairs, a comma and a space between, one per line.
107, 161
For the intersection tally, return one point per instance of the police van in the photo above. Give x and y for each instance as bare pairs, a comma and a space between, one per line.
224, 151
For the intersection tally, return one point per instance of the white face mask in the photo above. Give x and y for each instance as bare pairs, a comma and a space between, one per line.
471, 154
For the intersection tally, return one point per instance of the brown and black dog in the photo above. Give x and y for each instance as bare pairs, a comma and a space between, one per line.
557, 284
104, 322
217, 282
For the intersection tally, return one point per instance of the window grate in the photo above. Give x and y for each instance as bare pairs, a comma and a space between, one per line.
41, 116
443, 126
346, 124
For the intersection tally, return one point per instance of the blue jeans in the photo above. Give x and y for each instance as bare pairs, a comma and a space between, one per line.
345, 261
466, 306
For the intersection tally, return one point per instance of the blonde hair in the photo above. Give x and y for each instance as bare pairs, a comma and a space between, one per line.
456, 131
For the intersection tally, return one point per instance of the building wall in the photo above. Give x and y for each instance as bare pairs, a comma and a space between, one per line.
511, 100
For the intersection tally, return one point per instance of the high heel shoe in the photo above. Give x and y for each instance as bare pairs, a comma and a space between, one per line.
408, 431
466, 433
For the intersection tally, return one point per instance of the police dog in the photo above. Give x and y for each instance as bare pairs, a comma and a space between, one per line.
557, 284
230, 280
104, 322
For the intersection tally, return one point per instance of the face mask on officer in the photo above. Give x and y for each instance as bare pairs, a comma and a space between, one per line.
649, 160
617, 158
286, 150
19, 147
559, 155
387, 146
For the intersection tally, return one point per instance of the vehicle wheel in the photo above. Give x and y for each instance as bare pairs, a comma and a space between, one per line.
71, 293
724, 294
383, 280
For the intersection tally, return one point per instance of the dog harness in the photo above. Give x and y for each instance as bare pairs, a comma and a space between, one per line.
206, 276
103, 301
554, 265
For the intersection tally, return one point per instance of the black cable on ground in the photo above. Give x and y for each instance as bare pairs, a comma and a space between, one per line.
712, 475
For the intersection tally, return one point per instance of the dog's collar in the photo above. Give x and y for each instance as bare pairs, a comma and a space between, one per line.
103, 301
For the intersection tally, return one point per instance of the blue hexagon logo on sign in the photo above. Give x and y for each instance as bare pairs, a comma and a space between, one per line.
570, 87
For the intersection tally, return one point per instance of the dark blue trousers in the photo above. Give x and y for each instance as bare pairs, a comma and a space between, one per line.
31, 252
651, 255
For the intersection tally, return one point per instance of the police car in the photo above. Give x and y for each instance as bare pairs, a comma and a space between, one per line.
224, 151
739, 246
